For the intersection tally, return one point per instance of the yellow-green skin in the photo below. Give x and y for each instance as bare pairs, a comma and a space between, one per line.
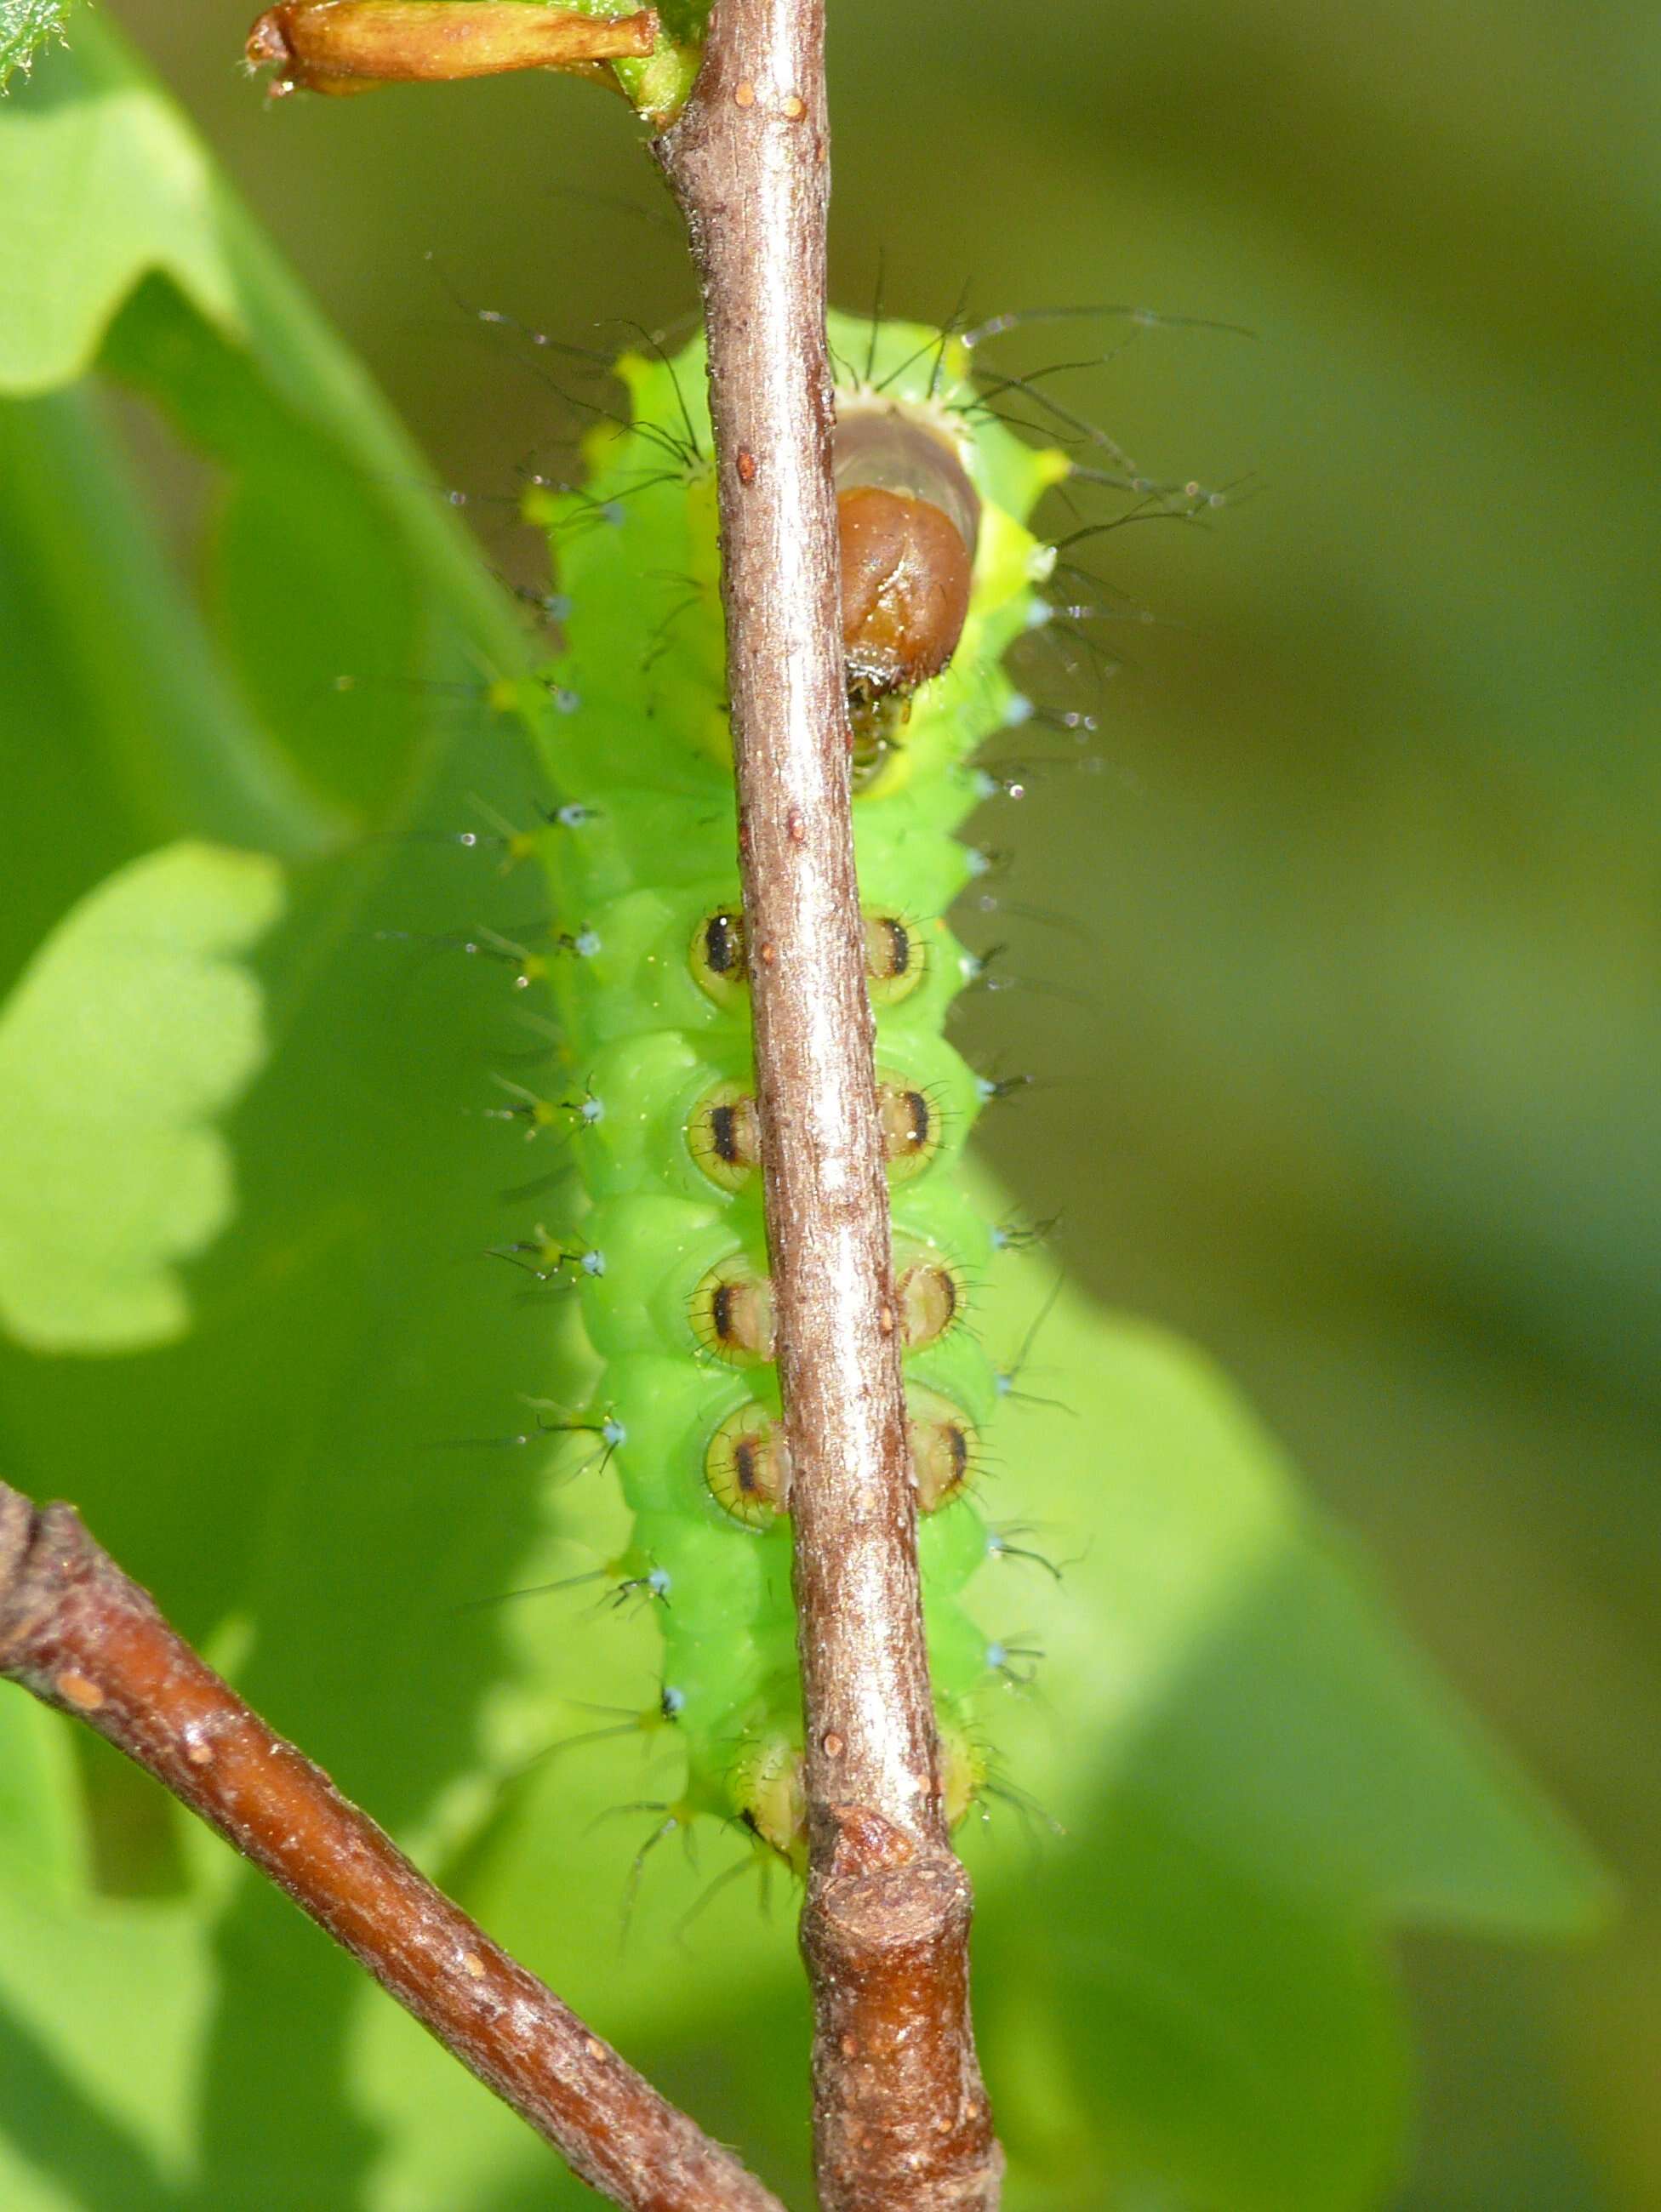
640, 737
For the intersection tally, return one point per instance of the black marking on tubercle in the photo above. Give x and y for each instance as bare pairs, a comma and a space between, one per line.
723, 943
724, 1131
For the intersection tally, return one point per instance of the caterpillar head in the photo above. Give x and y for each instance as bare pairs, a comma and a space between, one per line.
907, 518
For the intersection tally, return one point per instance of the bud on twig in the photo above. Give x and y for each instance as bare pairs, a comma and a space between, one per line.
352, 46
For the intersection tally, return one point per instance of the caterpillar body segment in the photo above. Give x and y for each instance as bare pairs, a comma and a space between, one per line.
655, 1011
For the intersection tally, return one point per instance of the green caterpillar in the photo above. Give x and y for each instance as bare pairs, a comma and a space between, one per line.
666, 1245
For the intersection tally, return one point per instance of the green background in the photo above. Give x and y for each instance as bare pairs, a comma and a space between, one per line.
1358, 1007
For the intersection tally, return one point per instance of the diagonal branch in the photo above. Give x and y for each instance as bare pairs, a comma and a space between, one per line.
82, 1637
901, 2118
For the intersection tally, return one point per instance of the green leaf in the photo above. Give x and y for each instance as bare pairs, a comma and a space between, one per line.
1161, 2018
1212, 1636
101, 183
134, 1026
101, 2018
24, 27
1257, 1778
151, 734
41, 1826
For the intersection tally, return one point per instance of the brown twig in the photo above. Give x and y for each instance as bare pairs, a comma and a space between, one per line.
81, 1636
352, 46
900, 2115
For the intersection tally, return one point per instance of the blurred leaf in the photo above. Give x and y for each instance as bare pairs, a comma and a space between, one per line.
1221, 1653
134, 1027
101, 2016
1168, 2023
150, 737
1257, 1777
309, 562
100, 183
40, 1828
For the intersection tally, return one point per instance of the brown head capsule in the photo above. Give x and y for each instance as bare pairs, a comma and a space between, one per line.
907, 518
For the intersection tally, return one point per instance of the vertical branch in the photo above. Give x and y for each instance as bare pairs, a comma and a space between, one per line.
901, 2118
